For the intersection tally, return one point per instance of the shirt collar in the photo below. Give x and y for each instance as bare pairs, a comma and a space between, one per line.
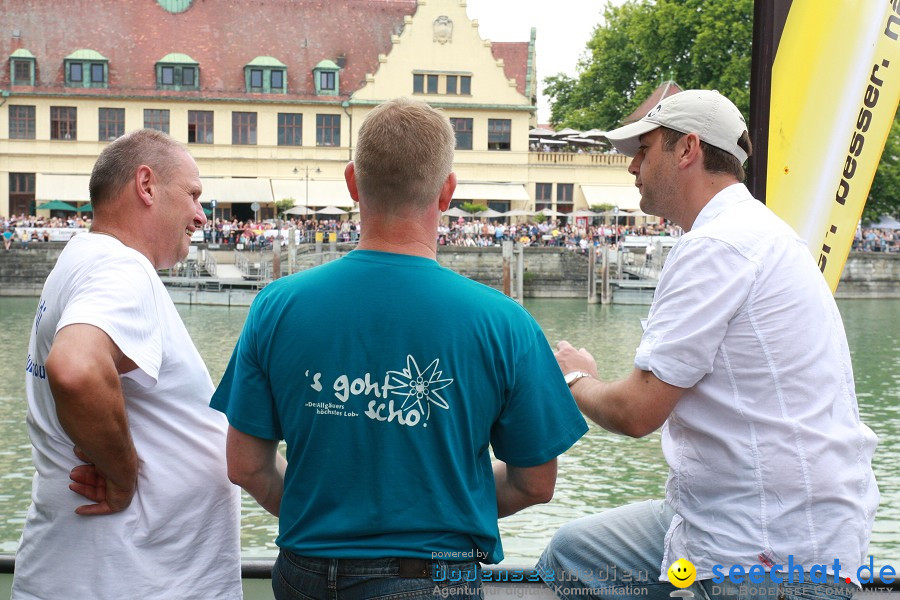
728, 197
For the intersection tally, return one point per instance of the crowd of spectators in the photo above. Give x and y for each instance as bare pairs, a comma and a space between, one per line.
876, 240
29, 229
23, 230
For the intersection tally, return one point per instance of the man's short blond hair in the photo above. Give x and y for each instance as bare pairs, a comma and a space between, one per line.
404, 155
119, 161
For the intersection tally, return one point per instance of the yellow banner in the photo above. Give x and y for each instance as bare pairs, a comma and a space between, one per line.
835, 89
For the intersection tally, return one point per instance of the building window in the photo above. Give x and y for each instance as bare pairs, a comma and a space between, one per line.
243, 128
177, 71
21, 122
256, 79
328, 130
499, 134
327, 80
435, 83
543, 196
267, 75
22, 72
290, 129
327, 77
21, 193
564, 198
200, 127
157, 118
112, 124
463, 129
63, 123
189, 76
97, 75
75, 72
277, 79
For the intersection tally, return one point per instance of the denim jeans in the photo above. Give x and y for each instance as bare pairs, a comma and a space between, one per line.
297, 577
618, 553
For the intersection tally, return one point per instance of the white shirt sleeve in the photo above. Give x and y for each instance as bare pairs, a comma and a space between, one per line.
705, 282
118, 298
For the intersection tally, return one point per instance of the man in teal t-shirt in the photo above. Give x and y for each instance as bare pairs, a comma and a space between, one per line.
391, 378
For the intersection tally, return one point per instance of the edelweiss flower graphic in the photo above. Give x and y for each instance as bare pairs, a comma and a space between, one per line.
418, 387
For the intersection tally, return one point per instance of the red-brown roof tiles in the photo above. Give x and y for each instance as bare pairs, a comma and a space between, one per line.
221, 35
515, 61
664, 90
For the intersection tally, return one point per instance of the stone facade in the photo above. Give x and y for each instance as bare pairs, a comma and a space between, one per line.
548, 272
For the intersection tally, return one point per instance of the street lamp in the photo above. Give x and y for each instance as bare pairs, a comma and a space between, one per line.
306, 178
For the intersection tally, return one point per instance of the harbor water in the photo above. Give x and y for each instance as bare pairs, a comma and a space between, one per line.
601, 471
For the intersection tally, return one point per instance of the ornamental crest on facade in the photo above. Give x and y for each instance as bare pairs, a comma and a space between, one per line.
443, 29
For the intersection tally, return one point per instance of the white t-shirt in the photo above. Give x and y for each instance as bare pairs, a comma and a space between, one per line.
767, 456
180, 537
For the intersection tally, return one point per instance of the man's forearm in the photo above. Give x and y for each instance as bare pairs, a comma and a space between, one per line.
91, 410
521, 488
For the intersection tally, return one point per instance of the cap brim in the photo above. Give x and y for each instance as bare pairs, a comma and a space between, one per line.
625, 139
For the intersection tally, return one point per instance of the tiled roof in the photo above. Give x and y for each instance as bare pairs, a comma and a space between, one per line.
515, 61
665, 89
221, 35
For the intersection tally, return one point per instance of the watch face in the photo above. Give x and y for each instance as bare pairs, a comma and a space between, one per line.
573, 376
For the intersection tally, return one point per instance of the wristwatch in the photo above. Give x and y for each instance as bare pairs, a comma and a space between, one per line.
574, 376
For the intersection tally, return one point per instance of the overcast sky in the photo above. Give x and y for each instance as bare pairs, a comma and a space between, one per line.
563, 29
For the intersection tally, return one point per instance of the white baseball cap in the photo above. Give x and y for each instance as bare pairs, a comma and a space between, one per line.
707, 113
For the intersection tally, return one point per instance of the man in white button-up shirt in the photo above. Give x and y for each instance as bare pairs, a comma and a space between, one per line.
745, 365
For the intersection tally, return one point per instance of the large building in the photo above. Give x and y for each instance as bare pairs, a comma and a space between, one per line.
269, 94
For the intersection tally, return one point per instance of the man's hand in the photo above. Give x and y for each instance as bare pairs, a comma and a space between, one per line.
89, 482
570, 359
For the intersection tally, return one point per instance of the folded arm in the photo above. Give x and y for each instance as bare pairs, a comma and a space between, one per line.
83, 370
635, 406
256, 465
521, 487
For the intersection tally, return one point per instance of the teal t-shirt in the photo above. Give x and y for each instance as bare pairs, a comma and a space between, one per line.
389, 377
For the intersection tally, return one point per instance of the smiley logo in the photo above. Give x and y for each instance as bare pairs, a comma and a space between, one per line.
682, 573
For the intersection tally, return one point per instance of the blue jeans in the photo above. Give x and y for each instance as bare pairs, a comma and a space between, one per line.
618, 553
297, 577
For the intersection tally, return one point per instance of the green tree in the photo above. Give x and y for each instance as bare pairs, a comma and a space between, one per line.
697, 43
884, 195
283, 205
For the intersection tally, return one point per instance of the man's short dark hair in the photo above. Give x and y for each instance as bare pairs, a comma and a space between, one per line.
715, 160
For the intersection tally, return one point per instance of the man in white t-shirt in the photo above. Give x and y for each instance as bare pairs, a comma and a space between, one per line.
744, 364
118, 404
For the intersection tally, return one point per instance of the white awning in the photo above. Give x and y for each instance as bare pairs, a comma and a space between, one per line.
68, 188
330, 193
626, 197
321, 192
236, 190
491, 191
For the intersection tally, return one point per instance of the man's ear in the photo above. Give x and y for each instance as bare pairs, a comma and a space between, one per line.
144, 184
350, 178
689, 150
447, 192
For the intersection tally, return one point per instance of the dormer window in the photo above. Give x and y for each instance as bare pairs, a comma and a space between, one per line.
21, 67
86, 68
327, 75
177, 71
266, 75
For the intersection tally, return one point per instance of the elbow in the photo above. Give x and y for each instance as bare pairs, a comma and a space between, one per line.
637, 430
542, 494
238, 475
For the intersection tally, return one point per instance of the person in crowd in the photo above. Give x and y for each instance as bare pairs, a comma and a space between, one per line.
118, 403
388, 484
745, 365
